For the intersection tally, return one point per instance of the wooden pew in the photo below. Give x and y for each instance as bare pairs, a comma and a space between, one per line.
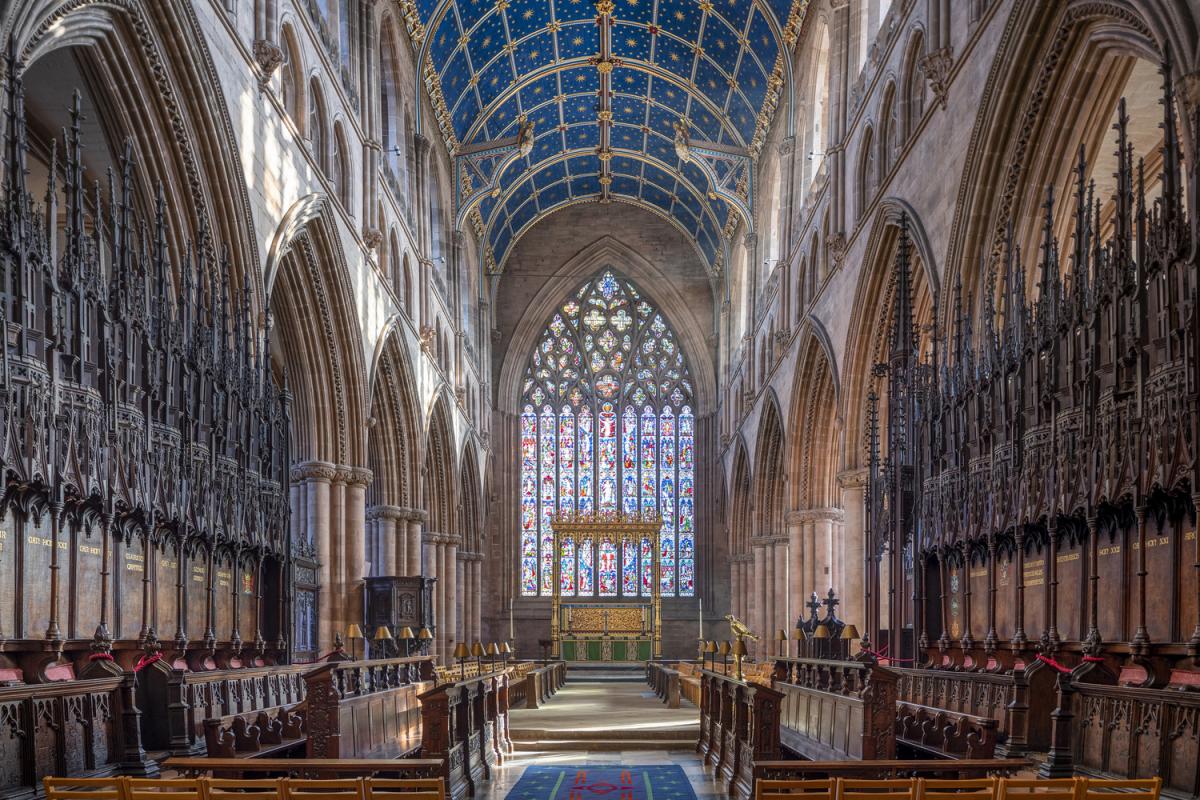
837, 709
739, 727
308, 767
465, 725
533, 685
366, 709
664, 680
1019, 699
938, 733
183, 700
257, 734
81, 728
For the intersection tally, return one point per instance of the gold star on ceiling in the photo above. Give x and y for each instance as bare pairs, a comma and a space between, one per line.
554, 27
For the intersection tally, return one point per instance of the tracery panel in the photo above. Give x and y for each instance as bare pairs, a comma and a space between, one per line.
607, 424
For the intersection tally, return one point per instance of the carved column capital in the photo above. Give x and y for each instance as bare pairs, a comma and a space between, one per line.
937, 66
313, 470
359, 476
787, 146
815, 515
853, 478
394, 513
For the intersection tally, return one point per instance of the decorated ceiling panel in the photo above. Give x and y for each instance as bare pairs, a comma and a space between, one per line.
548, 103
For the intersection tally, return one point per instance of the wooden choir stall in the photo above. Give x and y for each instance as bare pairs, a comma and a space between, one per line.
1031, 504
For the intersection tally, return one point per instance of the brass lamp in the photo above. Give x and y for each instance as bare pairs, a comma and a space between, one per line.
383, 636
477, 651
353, 632
781, 638
493, 650
425, 636
462, 653
505, 650
821, 632
849, 634
724, 650
739, 652
800, 636
710, 652
406, 633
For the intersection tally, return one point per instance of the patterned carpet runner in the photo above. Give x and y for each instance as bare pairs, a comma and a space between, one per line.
602, 782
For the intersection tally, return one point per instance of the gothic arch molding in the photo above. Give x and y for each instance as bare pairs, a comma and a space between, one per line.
439, 483
871, 312
319, 338
816, 446
607, 251
1038, 58
393, 446
159, 48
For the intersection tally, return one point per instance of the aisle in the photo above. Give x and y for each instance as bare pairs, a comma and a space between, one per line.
604, 722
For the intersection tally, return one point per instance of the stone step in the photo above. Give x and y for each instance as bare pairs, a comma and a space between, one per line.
601, 745
681, 734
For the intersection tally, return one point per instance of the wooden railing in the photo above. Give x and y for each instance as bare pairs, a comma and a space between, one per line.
83, 728
366, 709
739, 727
837, 709
534, 684
938, 733
465, 725
1135, 732
183, 700
1020, 700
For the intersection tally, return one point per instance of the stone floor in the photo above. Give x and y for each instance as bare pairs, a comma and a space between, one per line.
588, 722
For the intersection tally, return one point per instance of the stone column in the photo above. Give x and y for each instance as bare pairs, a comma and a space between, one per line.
413, 564
782, 600
477, 595
735, 587
767, 631
853, 578
381, 525
339, 572
430, 570
461, 602
356, 547
758, 571
798, 587
451, 593
317, 476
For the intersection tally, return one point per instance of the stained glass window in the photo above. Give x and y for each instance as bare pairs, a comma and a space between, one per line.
607, 424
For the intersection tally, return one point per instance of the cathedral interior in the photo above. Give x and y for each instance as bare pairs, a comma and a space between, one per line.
384, 381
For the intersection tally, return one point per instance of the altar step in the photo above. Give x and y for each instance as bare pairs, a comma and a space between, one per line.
614, 745
607, 671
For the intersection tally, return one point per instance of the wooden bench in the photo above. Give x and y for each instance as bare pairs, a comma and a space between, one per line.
257, 734
309, 767
939, 733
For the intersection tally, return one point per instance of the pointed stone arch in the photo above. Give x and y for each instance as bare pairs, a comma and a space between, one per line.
316, 337
871, 314
394, 441
159, 50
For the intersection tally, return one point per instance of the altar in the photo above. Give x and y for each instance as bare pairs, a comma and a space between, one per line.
617, 620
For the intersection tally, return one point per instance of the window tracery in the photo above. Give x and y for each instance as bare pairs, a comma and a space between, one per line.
607, 424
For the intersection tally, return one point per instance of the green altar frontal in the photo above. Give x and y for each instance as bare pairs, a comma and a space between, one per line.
606, 632
625, 627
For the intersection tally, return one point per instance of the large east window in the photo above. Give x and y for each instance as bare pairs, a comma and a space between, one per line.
607, 425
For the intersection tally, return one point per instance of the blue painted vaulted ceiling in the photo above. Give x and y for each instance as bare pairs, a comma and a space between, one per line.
603, 108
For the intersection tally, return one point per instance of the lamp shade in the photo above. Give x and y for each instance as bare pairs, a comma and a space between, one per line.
461, 651
739, 647
724, 648
710, 646
493, 649
505, 648
477, 649
424, 634
354, 632
781, 635
405, 633
821, 632
850, 632
382, 632
799, 635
